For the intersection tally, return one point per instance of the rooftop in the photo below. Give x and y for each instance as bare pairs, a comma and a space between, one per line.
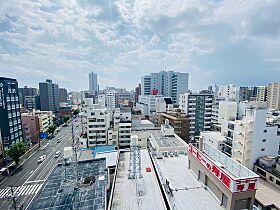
214, 135
60, 194
165, 141
125, 196
267, 194
187, 190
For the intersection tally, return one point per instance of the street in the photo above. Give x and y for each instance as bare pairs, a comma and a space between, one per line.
29, 178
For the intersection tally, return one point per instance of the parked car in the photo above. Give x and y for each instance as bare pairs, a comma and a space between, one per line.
41, 158
56, 155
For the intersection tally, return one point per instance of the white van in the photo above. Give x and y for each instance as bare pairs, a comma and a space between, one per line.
56, 155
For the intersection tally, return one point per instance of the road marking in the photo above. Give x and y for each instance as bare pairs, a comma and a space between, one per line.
42, 180
21, 190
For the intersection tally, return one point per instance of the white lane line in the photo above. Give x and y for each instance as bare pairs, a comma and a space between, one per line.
21, 191
5, 193
33, 188
26, 192
2, 190
38, 189
42, 180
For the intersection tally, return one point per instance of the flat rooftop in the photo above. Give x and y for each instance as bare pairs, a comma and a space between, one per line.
60, 194
166, 141
267, 194
125, 197
190, 193
214, 135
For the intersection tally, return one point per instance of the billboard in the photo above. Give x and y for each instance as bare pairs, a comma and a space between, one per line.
44, 135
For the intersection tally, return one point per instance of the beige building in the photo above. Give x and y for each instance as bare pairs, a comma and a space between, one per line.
45, 119
261, 93
273, 95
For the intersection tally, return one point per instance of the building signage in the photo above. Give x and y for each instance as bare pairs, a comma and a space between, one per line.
233, 184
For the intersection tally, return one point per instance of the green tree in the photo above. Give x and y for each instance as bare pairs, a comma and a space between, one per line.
52, 129
76, 112
66, 118
16, 151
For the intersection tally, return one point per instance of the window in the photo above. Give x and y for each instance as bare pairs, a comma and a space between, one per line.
271, 178
277, 182
262, 149
261, 172
264, 140
265, 131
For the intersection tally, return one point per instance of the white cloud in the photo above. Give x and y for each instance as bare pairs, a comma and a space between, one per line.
121, 40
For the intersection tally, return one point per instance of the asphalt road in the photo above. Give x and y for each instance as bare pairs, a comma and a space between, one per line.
29, 178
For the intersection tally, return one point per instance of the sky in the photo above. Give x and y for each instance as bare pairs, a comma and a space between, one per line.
217, 42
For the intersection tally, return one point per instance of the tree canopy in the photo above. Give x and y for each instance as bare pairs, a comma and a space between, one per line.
52, 129
16, 151
76, 112
66, 118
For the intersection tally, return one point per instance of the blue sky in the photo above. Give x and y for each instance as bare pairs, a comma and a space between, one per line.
217, 42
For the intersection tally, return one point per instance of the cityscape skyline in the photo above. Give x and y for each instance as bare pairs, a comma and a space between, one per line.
122, 42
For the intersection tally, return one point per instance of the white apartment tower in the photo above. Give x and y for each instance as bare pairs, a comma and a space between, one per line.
93, 82
97, 125
111, 99
250, 138
165, 83
273, 96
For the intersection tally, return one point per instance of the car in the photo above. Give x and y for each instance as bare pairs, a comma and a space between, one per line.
56, 155
59, 140
41, 158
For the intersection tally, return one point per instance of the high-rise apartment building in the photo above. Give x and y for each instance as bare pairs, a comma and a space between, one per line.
24, 92
165, 83
199, 108
93, 85
111, 99
49, 95
10, 120
62, 95
261, 93
250, 138
273, 95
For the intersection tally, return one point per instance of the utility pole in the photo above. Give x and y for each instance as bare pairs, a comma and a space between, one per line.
82, 124
73, 142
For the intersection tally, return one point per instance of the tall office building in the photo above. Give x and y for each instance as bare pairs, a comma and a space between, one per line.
49, 95
26, 92
93, 82
10, 119
273, 96
165, 83
62, 95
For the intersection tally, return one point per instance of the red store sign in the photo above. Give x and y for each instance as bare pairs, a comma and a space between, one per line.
233, 184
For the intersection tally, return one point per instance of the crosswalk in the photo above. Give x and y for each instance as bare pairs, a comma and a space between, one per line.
20, 190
